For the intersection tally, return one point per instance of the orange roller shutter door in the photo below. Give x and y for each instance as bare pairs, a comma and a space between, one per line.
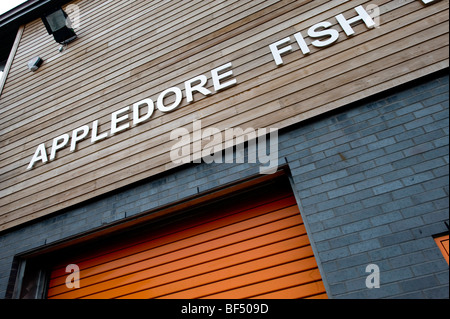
256, 247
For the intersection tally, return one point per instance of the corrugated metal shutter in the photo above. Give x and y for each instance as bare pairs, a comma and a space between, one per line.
252, 249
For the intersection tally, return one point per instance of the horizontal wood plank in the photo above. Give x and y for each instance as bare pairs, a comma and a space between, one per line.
127, 64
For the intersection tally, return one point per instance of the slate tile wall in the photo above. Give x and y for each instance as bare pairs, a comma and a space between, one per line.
371, 181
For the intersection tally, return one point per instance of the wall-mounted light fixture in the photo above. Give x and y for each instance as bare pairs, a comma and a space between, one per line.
59, 25
34, 63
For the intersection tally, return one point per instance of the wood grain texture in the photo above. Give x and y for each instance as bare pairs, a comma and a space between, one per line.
255, 248
141, 48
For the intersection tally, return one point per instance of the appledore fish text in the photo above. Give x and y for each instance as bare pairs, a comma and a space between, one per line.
320, 35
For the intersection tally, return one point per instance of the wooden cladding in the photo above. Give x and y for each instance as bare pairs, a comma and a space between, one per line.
128, 51
256, 248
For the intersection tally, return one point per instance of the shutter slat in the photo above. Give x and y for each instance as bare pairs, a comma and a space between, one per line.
178, 233
256, 248
268, 242
191, 246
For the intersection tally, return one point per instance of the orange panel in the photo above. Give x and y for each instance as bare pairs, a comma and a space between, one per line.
254, 248
301, 281
186, 267
117, 267
298, 292
321, 296
442, 243
178, 233
133, 245
244, 286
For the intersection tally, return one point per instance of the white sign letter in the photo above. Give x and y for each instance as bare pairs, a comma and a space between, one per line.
136, 107
199, 87
115, 119
331, 33
302, 43
39, 155
216, 77
276, 52
95, 137
362, 15
178, 98
58, 143
375, 13
76, 138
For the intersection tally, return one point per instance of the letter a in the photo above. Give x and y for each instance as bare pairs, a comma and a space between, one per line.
182, 146
373, 280
73, 280
39, 155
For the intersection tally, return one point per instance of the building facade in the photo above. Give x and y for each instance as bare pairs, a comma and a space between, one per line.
226, 149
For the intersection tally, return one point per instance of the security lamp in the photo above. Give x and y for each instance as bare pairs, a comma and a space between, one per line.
35, 63
58, 24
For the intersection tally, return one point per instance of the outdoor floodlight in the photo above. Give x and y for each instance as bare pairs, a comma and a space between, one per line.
35, 63
58, 24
